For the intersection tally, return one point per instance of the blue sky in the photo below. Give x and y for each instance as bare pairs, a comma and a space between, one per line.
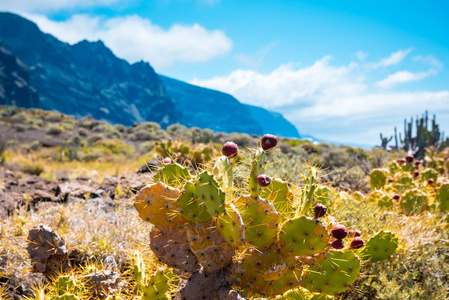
339, 70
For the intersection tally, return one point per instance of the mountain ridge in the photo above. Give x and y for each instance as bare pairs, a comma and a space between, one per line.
86, 78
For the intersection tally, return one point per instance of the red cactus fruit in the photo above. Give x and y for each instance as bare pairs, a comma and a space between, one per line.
166, 160
268, 141
230, 149
357, 243
339, 232
409, 158
391, 179
338, 244
354, 233
417, 163
415, 173
430, 181
263, 180
400, 161
319, 210
396, 197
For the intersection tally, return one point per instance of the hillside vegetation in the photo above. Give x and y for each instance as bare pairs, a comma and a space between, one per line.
80, 177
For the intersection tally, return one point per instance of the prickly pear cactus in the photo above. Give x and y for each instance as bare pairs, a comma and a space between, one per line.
257, 168
303, 236
67, 296
378, 178
202, 198
223, 166
333, 274
261, 221
157, 287
323, 194
278, 193
380, 247
172, 174
403, 181
231, 226
413, 201
442, 198
429, 174
157, 204
211, 249
67, 284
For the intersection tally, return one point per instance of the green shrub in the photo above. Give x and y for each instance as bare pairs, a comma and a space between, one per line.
54, 129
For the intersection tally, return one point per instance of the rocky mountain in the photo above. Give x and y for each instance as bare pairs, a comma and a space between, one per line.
15, 87
88, 79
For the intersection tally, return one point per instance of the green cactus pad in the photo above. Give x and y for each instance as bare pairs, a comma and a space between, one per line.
378, 178
171, 247
323, 194
303, 294
333, 274
429, 173
139, 270
261, 220
172, 174
380, 247
393, 167
67, 284
190, 208
209, 194
278, 193
211, 249
231, 227
408, 167
67, 296
381, 198
157, 287
442, 198
257, 168
224, 167
266, 272
156, 203
303, 236
413, 201
403, 181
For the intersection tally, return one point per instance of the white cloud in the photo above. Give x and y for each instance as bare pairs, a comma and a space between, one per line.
256, 59
407, 76
361, 55
287, 85
329, 101
394, 59
135, 38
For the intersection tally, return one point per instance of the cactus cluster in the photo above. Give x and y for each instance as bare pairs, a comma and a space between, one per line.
410, 186
257, 237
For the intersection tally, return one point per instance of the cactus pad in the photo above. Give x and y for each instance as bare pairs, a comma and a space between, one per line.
67, 284
157, 288
323, 195
171, 247
380, 247
172, 174
156, 203
303, 236
278, 193
378, 178
231, 227
413, 200
442, 198
201, 199
429, 173
333, 274
266, 272
257, 168
403, 181
224, 167
261, 220
67, 296
211, 249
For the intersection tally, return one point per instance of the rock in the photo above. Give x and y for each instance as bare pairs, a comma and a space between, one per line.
47, 250
202, 285
109, 185
7, 205
103, 283
76, 188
